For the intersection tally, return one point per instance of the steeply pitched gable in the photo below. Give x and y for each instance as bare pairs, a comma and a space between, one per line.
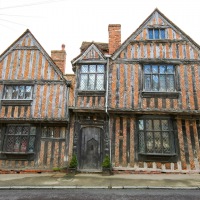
92, 52
28, 42
156, 20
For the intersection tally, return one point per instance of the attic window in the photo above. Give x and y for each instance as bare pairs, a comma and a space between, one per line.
156, 33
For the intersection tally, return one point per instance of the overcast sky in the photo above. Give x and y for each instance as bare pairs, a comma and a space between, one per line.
69, 22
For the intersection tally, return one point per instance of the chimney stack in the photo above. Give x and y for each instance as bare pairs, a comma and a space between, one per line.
114, 31
59, 57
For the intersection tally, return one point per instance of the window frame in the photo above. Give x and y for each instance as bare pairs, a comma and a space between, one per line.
48, 135
152, 156
159, 93
17, 101
95, 90
14, 135
159, 32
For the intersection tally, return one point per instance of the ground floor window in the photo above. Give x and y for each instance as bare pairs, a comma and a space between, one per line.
155, 136
20, 138
53, 132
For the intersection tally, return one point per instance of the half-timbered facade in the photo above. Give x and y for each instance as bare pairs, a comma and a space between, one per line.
33, 107
139, 101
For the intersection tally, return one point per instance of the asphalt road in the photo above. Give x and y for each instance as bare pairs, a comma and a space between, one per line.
100, 194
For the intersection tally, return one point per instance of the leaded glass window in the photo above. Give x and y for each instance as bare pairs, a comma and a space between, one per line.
18, 92
155, 136
53, 132
159, 78
20, 138
156, 33
92, 77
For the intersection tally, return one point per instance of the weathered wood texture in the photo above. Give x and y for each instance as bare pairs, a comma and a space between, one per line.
126, 72
124, 152
50, 153
72, 78
49, 89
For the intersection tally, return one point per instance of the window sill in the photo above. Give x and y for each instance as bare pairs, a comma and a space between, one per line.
151, 94
16, 102
91, 93
19, 155
157, 157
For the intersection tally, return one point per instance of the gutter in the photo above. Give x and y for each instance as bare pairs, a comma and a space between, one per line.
106, 106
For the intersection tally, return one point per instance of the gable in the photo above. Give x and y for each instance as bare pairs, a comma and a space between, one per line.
91, 53
26, 59
156, 21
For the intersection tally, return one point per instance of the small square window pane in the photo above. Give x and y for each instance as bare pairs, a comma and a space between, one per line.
155, 69
24, 143
28, 92
162, 33
31, 144
147, 69
92, 68
10, 143
155, 82
157, 141
100, 68
149, 125
44, 132
91, 82
33, 130
83, 82
62, 133
162, 69
141, 124
21, 92
84, 68
170, 82
50, 132
100, 81
156, 124
18, 130
15, 92
147, 82
166, 143
8, 92
156, 33
150, 146
56, 132
25, 130
163, 83
150, 33
141, 142
165, 126
170, 69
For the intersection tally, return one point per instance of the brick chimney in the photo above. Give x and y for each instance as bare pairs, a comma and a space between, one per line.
114, 31
59, 57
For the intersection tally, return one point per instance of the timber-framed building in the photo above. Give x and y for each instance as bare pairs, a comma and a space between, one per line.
139, 101
136, 101
33, 106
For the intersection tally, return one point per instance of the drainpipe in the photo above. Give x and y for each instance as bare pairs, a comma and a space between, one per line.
106, 106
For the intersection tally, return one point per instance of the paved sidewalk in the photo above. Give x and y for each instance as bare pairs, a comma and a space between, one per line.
61, 180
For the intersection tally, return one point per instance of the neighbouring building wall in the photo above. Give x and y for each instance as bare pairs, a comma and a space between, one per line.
33, 108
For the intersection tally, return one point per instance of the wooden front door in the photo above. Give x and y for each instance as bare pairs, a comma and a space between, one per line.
90, 151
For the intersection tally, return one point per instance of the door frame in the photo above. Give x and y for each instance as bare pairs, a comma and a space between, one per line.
102, 133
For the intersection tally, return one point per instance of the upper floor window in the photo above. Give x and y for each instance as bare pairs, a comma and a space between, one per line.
156, 33
20, 138
18, 92
155, 136
160, 78
92, 77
